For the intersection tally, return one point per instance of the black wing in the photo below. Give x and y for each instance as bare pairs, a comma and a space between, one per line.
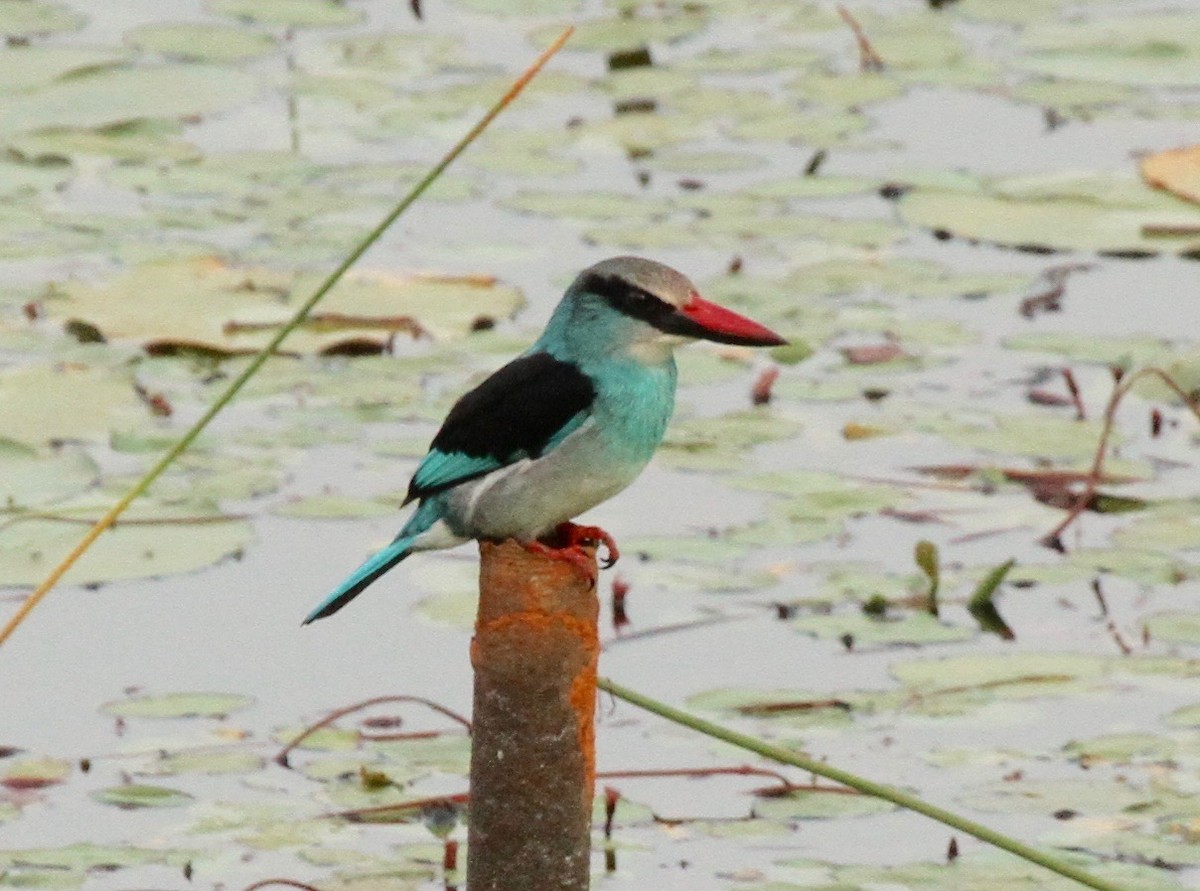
521, 411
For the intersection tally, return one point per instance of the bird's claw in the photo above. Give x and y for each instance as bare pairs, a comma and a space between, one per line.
567, 540
591, 535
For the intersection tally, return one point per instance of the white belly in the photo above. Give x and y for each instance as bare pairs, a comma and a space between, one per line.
529, 498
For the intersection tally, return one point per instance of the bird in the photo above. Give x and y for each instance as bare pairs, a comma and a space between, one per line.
566, 425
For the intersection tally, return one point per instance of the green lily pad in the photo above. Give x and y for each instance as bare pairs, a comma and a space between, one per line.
178, 705
1036, 435
1018, 675
113, 95
202, 42
1123, 351
35, 773
1168, 529
44, 403
85, 856
29, 549
1122, 748
910, 629
24, 18
134, 796
720, 442
1068, 213
1083, 796
28, 67
1150, 49
292, 13
627, 32
1187, 716
1176, 627
230, 309
140, 140
793, 708
326, 739
29, 479
825, 805
214, 762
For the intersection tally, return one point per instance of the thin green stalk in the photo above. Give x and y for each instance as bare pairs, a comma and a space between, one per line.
868, 787
257, 362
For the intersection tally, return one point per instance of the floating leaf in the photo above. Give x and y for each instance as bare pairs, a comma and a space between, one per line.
1122, 748
1177, 627
29, 67
232, 310
830, 804
794, 708
718, 443
114, 95
42, 403
204, 762
1064, 213
23, 18
35, 773
134, 796
293, 13
131, 550
1149, 49
178, 705
29, 479
909, 629
202, 42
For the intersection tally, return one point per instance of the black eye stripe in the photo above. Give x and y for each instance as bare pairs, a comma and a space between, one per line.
628, 298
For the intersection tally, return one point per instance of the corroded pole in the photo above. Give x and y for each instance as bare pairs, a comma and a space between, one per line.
533, 739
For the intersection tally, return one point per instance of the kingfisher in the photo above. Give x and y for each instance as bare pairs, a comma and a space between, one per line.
563, 427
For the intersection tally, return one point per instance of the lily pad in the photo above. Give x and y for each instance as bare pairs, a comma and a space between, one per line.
178, 705
113, 95
292, 13
1176, 627
913, 628
45, 403
28, 67
719, 443
215, 762
25, 18
155, 546
134, 796
202, 42
832, 804
1149, 49
202, 303
1066, 213
29, 479
35, 773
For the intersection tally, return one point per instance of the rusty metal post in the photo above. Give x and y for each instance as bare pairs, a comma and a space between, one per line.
533, 739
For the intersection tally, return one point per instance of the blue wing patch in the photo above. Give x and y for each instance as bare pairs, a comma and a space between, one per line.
522, 411
439, 470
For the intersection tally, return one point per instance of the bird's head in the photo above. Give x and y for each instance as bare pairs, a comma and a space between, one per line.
654, 308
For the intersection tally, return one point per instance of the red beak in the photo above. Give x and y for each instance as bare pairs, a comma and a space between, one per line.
712, 322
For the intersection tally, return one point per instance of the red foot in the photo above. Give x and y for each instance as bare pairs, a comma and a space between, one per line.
590, 535
564, 544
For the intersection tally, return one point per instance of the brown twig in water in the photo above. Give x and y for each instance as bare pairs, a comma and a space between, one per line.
1053, 538
868, 59
282, 758
1076, 400
290, 883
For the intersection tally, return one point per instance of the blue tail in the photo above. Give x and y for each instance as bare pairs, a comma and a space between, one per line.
372, 569
403, 545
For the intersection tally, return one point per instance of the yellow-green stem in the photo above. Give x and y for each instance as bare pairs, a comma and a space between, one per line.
867, 787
